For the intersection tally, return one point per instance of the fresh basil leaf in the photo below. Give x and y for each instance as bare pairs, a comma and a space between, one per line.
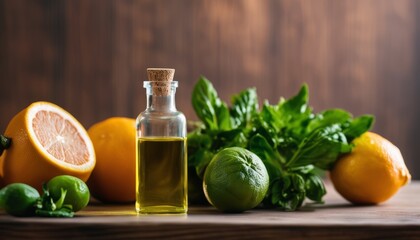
288, 192
270, 157
321, 148
288, 144
197, 140
231, 138
209, 107
295, 111
223, 115
198, 146
278, 190
291, 116
272, 118
358, 126
297, 104
264, 128
203, 158
315, 189
46, 202
60, 213
244, 106
328, 118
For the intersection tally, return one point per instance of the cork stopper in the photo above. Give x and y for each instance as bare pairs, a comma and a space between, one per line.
160, 74
160, 80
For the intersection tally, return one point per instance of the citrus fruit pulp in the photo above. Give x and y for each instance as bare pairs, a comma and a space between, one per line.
46, 141
372, 173
114, 176
235, 180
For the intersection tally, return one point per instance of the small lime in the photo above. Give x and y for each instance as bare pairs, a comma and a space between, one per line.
236, 180
19, 199
77, 191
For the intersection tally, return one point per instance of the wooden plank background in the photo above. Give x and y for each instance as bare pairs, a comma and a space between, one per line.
90, 57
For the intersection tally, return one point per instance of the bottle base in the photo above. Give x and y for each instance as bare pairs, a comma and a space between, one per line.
162, 209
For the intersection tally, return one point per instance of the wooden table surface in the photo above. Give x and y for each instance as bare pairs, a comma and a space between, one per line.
399, 218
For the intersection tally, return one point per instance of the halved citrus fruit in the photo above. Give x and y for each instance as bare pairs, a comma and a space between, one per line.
46, 141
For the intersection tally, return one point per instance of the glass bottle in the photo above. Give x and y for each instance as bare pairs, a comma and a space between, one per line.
161, 177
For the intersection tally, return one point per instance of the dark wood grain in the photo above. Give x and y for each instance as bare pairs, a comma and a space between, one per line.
396, 219
90, 56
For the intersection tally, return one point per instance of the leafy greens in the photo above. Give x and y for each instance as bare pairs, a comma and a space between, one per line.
293, 142
47, 207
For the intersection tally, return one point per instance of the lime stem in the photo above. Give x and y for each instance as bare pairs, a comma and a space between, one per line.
60, 201
4, 143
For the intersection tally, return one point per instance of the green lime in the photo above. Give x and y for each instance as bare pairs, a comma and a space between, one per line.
2, 194
19, 199
235, 180
77, 191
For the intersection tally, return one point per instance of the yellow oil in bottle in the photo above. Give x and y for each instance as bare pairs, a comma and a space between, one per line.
161, 175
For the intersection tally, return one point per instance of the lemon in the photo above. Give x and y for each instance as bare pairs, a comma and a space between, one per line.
235, 180
77, 195
372, 173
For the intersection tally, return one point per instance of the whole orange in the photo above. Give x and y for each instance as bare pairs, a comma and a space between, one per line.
372, 173
113, 179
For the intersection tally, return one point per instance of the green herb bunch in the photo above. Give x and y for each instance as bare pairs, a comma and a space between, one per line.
295, 144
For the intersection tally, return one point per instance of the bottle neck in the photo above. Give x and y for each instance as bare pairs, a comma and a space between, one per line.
161, 95
161, 103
